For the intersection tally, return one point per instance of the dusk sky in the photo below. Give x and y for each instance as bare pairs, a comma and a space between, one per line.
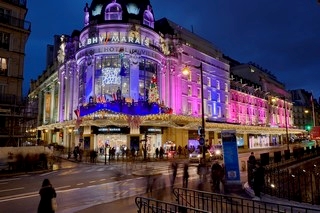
281, 36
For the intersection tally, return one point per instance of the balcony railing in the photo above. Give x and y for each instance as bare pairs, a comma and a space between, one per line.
10, 99
15, 22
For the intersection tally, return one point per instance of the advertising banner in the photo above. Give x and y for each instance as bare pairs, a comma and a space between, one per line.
230, 156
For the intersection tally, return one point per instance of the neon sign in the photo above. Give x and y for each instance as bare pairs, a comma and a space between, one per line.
115, 38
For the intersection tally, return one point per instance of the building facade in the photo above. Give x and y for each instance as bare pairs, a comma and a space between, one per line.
14, 33
119, 82
306, 110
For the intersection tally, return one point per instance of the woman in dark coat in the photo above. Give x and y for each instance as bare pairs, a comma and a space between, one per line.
258, 181
47, 192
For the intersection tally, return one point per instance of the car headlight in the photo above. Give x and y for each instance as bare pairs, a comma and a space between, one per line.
218, 152
198, 155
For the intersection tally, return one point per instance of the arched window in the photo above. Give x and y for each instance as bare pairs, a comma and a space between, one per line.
148, 18
113, 11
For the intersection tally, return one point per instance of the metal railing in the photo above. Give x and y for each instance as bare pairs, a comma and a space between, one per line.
149, 205
219, 203
300, 183
15, 22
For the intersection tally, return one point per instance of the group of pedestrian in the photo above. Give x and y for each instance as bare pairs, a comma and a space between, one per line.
159, 152
174, 170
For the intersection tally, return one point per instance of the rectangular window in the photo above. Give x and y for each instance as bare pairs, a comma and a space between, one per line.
189, 77
4, 40
219, 111
2, 89
226, 88
218, 84
209, 81
199, 109
189, 108
3, 66
218, 97
189, 91
210, 110
199, 92
227, 99
198, 79
209, 96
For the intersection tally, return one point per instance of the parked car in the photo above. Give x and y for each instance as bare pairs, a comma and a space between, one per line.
196, 155
217, 152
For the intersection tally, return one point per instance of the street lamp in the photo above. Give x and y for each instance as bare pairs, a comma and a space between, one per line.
186, 71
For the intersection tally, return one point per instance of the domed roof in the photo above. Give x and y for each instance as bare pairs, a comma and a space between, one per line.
131, 9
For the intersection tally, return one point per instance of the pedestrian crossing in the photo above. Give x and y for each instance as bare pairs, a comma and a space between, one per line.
126, 170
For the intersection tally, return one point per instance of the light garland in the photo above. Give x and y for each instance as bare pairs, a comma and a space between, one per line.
105, 117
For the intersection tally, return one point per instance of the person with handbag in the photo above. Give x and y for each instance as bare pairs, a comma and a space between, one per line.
47, 198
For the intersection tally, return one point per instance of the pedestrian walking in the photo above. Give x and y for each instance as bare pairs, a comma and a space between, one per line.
185, 175
258, 180
150, 182
202, 170
252, 159
174, 170
251, 166
47, 198
216, 176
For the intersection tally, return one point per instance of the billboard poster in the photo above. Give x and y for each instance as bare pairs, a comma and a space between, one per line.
230, 155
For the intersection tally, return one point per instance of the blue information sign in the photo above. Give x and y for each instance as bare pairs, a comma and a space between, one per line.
201, 141
230, 155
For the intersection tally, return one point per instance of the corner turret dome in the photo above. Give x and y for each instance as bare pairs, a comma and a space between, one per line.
138, 11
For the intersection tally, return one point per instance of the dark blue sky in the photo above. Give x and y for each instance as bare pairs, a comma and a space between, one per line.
281, 36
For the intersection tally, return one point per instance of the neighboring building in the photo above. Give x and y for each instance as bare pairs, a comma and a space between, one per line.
120, 79
305, 109
14, 33
259, 99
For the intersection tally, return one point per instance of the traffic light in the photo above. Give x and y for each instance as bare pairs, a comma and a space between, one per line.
308, 128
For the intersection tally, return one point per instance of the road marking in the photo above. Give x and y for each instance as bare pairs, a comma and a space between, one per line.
68, 190
79, 184
3, 183
63, 187
5, 180
103, 179
48, 173
93, 181
19, 196
8, 190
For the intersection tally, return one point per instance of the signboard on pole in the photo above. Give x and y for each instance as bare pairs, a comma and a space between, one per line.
230, 156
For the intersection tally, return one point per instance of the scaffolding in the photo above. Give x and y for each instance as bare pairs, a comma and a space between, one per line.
17, 121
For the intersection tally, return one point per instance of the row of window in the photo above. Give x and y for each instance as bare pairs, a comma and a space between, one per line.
209, 110
209, 83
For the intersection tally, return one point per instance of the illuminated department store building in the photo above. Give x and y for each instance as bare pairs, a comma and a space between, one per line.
120, 79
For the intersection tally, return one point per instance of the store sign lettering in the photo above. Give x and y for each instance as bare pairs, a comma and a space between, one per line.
115, 38
151, 130
109, 129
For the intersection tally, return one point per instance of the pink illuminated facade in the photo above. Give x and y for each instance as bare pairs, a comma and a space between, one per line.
120, 79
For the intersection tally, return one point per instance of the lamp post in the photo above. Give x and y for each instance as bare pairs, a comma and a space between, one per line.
286, 122
186, 71
69, 143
